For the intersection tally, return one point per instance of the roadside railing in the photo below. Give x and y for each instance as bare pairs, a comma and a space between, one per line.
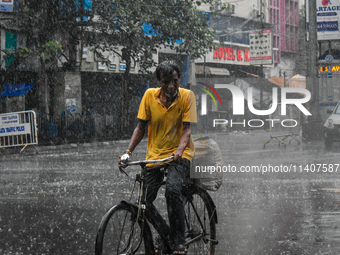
72, 128
18, 129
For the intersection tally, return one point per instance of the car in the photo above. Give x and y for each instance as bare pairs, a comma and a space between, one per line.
331, 127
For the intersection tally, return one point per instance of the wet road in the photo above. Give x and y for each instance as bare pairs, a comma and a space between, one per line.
52, 202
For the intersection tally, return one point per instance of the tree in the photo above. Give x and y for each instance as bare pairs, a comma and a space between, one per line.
44, 23
140, 27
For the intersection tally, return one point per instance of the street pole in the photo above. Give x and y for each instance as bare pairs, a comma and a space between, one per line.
284, 78
82, 34
314, 123
261, 76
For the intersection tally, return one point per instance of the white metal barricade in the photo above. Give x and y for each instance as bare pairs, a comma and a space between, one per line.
18, 129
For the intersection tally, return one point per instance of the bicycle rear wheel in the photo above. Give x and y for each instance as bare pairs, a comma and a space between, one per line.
200, 224
118, 232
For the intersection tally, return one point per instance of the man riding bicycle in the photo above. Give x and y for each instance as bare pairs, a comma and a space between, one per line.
168, 111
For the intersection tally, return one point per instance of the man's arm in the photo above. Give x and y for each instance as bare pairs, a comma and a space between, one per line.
183, 143
137, 135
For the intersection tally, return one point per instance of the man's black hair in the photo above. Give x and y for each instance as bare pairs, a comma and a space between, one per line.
166, 68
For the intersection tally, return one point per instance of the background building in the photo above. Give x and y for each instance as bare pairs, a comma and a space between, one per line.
64, 89
284, 15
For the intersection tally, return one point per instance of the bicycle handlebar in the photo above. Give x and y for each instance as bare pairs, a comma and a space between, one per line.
152, 161
145, 162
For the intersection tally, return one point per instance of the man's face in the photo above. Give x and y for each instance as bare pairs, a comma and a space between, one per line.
170, 84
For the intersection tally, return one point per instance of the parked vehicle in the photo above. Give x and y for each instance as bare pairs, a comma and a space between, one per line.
331, 128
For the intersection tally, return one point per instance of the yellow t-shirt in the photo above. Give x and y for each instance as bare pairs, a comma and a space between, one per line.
166, 125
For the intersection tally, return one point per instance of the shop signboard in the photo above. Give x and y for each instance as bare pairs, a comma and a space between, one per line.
232, 54
327, 17
122, 66
86, 6
261, 47
329, 68
6, 5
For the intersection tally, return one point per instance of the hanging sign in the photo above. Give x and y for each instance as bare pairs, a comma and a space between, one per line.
327, 18
261, 48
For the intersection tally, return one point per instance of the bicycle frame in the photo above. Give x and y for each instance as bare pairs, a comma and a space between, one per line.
140, 179
140, 206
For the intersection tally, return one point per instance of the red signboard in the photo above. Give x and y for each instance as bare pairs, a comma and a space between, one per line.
231, 54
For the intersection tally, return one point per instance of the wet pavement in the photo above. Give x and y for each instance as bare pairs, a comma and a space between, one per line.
52, 202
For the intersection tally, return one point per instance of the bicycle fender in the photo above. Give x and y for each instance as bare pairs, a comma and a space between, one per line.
133, 205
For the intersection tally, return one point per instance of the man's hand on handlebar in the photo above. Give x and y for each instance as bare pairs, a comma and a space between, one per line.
177, 156
143, 162
123, 160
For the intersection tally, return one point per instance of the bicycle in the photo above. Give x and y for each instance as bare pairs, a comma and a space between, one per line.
125, 226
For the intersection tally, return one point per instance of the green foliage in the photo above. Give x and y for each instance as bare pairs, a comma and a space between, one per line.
21, 52
50, 51
302, 12
121, 23
16, 56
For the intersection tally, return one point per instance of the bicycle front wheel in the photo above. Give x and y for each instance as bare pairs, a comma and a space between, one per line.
119, 232
200, 224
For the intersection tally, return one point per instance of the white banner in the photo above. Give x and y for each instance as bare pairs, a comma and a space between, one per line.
9, 120
19, 129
